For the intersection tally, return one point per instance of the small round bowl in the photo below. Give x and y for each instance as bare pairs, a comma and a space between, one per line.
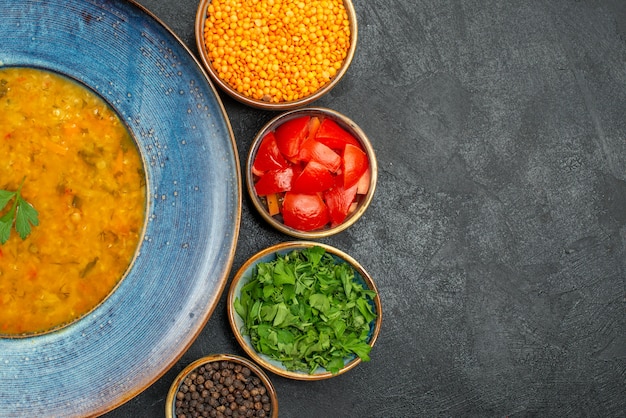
207, 61
170, 402
269, 254
362, 200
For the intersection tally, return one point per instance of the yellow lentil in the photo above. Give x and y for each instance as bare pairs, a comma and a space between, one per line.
276, 50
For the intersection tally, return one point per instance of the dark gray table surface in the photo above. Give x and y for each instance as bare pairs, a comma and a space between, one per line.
497, 235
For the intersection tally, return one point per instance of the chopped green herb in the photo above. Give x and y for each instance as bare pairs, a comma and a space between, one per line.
306, 310
21, 214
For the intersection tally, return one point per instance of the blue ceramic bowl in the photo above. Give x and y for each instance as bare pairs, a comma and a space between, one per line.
124, 54
269, 254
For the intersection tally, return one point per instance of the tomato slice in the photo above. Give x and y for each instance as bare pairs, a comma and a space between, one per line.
338, 200
312, 150
304, 212
290, 134
274, 181
355, 163
363, 185
314, 178
268, 156
334, 136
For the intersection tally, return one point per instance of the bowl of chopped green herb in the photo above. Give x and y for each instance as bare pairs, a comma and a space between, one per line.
304, 310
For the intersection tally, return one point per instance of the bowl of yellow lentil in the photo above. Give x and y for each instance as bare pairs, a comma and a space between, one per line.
276, 55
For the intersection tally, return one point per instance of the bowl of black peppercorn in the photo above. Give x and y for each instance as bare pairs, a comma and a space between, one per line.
221, 385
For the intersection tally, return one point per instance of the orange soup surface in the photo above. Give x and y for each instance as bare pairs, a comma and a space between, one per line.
82, 172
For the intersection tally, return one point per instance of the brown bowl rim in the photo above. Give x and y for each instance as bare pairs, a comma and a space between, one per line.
346, 123
286, 246
259, 104
171, 394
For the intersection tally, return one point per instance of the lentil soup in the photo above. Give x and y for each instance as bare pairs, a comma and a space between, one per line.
82, 172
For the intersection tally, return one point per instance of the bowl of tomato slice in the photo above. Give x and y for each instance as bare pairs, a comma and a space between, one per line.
311, 172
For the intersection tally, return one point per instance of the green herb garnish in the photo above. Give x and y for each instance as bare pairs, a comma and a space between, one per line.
307, 311
21, 213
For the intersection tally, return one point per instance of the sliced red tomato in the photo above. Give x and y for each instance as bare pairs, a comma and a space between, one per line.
313, 178
312, 150
274, 181
268, 156
355, 163
305, 212
363, 185
290, 134
339, 200
334, 136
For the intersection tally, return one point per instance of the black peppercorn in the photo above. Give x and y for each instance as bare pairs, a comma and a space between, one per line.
222, 389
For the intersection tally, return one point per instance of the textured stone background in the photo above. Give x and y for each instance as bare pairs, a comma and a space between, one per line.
497, 236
